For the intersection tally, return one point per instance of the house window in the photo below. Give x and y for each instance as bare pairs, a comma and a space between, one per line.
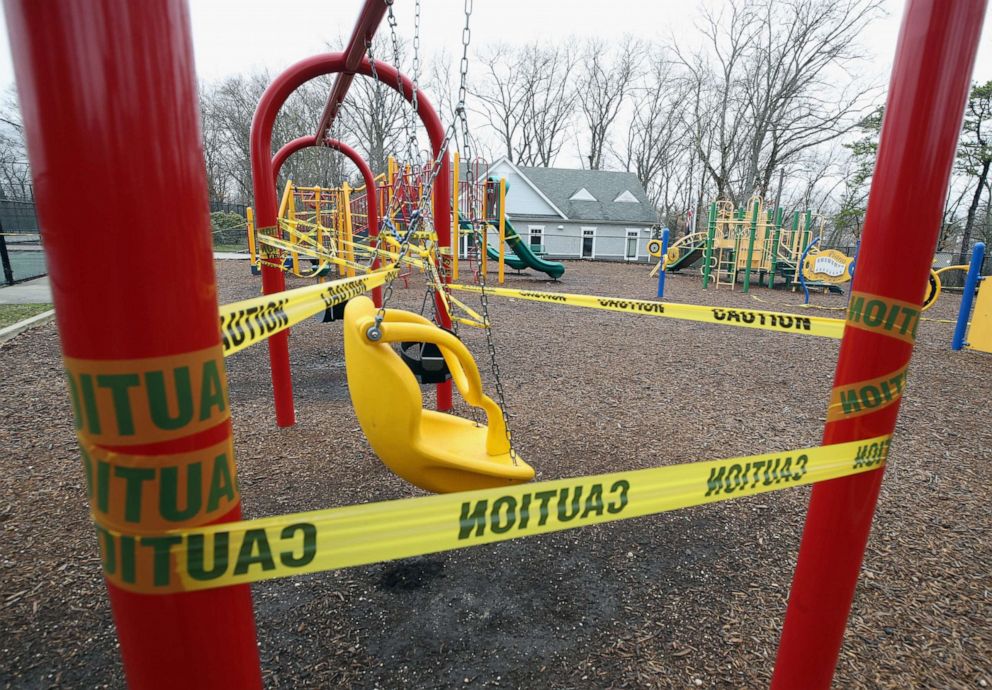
588, 243
625, 197
536, 239
631, 250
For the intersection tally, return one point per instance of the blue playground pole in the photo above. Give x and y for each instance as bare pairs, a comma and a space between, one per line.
968, 298
802, 278
665, 233
851, 268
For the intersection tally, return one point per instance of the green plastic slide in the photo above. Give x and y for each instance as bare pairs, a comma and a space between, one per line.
524, 257
690, 255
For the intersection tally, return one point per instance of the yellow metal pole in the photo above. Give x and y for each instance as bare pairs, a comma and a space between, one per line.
339, 230
291, 217
287, 193
320, 228
316, 203
502, 228
284, 203
455, 226
484, 249
250, 218
349, 238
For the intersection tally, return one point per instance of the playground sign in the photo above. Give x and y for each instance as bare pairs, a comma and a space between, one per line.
828, 266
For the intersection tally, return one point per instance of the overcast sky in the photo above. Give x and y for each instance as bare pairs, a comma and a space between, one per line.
234, 36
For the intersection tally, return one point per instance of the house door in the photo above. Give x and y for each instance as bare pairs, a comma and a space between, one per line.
630, 251
588, 243
536, 239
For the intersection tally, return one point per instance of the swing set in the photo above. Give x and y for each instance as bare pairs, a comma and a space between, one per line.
207, 638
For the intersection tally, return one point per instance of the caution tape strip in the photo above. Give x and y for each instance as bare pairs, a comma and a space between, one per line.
883, 315
286, 545
745, 318
851, 400
253, 320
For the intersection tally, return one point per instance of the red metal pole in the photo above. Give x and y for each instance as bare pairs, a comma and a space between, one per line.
371, 195
366, 25
927, 94
266, 205
108, 93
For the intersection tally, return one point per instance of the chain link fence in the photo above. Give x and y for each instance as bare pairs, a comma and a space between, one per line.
21, 256
20, 241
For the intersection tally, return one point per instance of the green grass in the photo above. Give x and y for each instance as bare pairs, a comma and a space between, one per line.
242, 247
12, 313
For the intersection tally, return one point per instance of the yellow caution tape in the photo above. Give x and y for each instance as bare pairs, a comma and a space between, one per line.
851, 400
253, 320
745, 318
883, 315
286, 545
126, 402
139, 492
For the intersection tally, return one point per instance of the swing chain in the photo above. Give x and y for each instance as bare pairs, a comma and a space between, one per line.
377, 85
423, 203
409, 124
462, 118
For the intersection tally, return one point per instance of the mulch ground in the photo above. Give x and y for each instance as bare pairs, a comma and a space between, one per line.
689, 598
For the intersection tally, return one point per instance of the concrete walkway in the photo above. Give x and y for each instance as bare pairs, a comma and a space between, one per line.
35, 291
38, 291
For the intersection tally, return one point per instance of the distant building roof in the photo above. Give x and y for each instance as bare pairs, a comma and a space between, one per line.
621, 198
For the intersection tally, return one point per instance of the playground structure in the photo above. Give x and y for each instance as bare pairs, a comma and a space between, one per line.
749, 244
331, 227
207, 638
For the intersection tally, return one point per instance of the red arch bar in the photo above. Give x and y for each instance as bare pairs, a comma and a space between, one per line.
266, 205
300, 143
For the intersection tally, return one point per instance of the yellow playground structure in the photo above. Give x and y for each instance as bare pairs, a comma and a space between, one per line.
327, 229
751, 244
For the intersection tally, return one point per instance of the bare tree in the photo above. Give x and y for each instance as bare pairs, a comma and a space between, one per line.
720, 124
800, 45
548, 107
975, 155
766, 84
502, 92
215, 151
373, 113
658, 139
230, 104
15, 173
603, 85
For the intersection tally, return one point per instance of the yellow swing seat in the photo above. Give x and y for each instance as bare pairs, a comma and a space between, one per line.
436, 451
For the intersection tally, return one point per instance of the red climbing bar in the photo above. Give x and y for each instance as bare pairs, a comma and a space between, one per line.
365, 27
109, 98
372, 198
927, 94
266, 204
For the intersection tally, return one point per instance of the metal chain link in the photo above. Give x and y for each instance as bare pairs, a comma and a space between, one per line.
409, 125
374, 333
461, 114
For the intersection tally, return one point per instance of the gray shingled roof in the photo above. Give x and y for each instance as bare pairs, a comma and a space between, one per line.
558, 184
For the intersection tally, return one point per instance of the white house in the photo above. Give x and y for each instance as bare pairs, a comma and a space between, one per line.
573, 214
